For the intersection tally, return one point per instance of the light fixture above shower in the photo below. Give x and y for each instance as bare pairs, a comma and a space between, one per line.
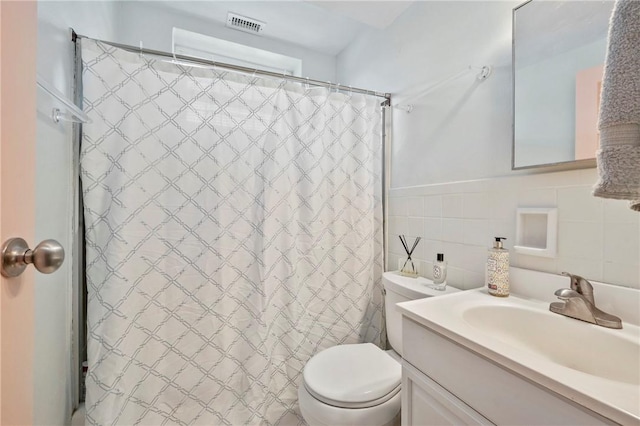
246, 24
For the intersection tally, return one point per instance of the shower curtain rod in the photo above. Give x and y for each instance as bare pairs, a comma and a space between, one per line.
247, 70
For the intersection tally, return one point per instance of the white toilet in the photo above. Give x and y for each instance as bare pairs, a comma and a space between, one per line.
360, 384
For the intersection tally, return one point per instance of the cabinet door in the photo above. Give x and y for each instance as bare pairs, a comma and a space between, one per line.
424, 402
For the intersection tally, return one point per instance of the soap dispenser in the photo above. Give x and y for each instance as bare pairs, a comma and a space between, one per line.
497, 278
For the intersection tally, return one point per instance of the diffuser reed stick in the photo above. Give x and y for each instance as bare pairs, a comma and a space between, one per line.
408, 268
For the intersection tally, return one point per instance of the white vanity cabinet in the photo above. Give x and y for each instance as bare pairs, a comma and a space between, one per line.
445, 383
424, 402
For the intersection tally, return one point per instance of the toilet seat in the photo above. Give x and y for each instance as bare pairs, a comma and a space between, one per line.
353, 376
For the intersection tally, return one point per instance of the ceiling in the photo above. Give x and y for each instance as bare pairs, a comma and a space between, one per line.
323, 26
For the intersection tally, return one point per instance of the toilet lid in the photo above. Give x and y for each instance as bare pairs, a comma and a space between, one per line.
353, 376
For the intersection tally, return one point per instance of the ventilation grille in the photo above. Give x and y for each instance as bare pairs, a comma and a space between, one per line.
242, 23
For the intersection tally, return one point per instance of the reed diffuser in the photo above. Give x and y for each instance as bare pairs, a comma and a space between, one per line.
408, 268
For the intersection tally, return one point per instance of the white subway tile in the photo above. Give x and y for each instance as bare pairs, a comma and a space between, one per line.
452, 230
621, 274
473, 279
587, 268
433, 206
553, 180
537, 198
543, 264
455, 277
426, 269
392, 262
432, 228
476, 232
454, 254
620, 246
452, 205
476, 206
475, 258
395, 246
415, 206
502, 228
398, 206
576, 203
596, 237
415, 226
581, 240
397, 226
619, 211
502, 204
432, 248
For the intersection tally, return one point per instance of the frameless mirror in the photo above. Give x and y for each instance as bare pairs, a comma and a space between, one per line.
559, 49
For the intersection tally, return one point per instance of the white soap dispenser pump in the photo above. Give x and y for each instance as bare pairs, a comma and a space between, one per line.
497, 278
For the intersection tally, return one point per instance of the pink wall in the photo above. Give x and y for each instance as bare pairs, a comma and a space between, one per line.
588, 87
18, 32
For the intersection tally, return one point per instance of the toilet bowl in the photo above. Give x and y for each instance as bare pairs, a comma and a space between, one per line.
359, 384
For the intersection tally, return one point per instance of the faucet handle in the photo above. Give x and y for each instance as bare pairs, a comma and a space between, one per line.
582, 286
567, 293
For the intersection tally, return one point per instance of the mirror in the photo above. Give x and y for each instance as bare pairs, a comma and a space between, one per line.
559, 49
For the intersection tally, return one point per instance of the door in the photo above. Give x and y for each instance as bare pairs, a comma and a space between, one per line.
17, 204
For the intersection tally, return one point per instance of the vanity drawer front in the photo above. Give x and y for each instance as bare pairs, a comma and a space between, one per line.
425, 403
495, 393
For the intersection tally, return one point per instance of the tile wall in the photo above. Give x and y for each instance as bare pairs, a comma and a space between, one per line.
597, 238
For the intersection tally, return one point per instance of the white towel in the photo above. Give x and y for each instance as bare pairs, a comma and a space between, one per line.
619, 121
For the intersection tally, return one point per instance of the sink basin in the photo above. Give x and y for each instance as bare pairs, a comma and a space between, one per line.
593, 366
584, 347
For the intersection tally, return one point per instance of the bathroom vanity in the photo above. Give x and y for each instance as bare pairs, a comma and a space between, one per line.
470, 358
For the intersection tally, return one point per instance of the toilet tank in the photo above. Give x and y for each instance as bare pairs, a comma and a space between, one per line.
398, 289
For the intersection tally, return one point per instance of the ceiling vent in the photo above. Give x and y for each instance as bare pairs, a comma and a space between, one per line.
242, 23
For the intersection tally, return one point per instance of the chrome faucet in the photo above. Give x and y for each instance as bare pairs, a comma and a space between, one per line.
578, 302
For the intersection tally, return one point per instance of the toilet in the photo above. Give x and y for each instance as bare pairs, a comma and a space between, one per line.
359, 384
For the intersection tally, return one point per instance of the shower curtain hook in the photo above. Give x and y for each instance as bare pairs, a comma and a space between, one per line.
141, 47
337, 87
307, 84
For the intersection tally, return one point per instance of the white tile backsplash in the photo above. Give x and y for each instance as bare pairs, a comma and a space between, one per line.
433, 206
432, 228
622, 274
597, 238
476, 232
452, 205
577, 204
476, 206
454, 254
619, 244
583, 240
415, 227
537, 198
415, 206
452, 230
583, 267
618, 211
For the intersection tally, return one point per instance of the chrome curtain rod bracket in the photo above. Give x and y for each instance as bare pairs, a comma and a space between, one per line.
246, 70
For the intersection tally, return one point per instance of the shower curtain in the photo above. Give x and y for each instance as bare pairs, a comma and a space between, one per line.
233, 230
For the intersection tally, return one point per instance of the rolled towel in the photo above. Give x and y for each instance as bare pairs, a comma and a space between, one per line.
619, 122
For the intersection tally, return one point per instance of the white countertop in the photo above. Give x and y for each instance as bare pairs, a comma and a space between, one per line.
618, 400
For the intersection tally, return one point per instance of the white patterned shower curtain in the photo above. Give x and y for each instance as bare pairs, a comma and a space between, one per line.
233, 230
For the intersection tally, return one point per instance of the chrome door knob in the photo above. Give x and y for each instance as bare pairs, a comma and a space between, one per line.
16, 255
